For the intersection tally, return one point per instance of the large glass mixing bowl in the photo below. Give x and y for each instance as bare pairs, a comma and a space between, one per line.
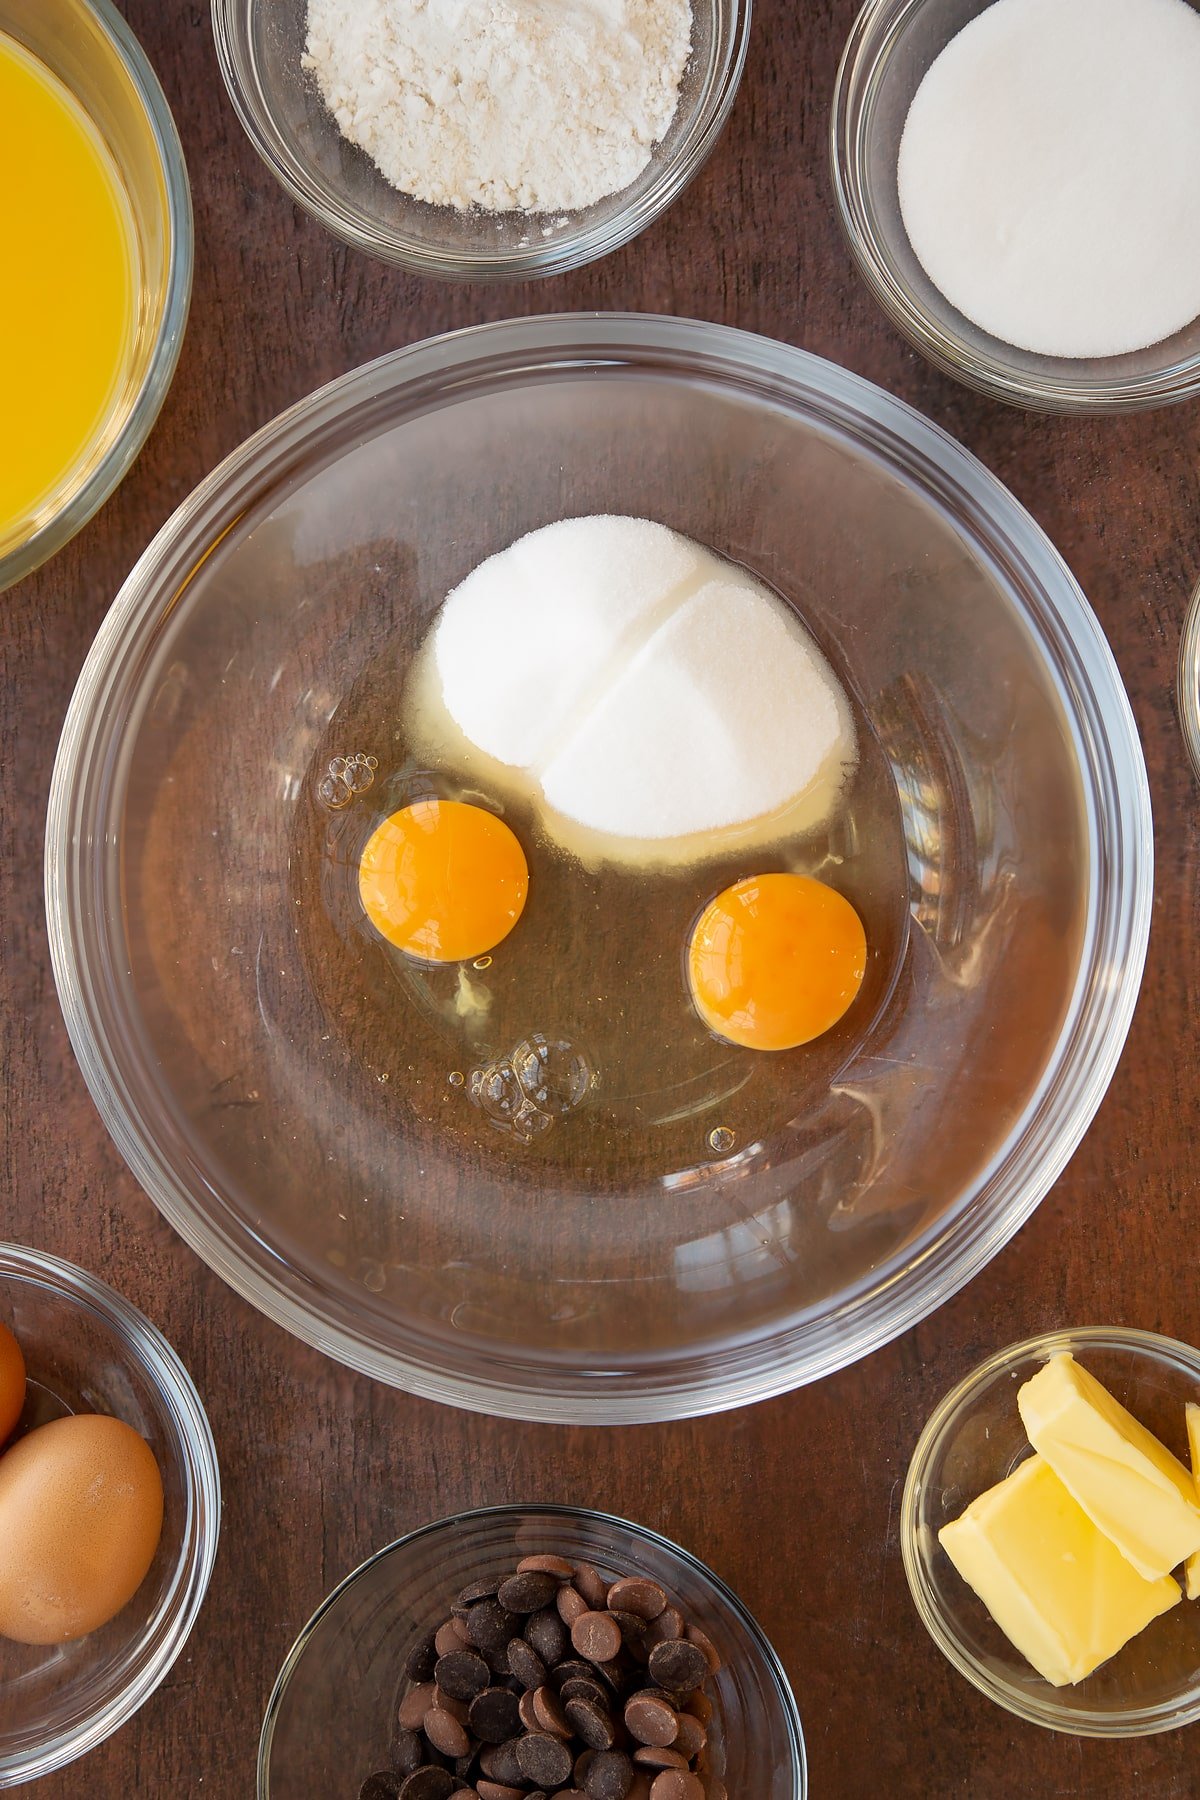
226, 1056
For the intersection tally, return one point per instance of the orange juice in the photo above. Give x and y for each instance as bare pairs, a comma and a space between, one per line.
68, 293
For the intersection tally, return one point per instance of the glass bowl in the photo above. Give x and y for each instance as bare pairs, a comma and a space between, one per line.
227, 1032
1188, 683
975, 1439
890, 48
329, 1720
91, 49
87, 1350
259, 46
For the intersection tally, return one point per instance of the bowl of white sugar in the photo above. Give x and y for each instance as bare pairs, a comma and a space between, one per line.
1019, 181
599, 868
468, 139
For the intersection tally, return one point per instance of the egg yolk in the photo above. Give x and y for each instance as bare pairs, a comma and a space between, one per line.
775, 960
443, 880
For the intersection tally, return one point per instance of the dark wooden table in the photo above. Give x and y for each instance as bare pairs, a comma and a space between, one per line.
320, 1466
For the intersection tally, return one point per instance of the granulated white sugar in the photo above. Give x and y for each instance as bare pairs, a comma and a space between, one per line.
509, 105
642, 687
1049, 173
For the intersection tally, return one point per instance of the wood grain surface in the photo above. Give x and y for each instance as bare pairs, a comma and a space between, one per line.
794, 1503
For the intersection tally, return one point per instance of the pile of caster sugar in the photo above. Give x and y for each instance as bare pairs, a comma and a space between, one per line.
639, 686
1049, 173
505, 105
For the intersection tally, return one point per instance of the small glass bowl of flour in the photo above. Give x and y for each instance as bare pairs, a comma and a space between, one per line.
483, 138
1019, 181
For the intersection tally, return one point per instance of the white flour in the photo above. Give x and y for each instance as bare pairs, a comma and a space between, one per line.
510, 105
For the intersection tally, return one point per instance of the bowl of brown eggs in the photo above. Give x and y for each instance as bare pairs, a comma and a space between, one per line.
109, 1511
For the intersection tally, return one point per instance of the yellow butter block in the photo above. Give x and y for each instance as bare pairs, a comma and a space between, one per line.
1062, 1594
1128, 1484
1191, 1571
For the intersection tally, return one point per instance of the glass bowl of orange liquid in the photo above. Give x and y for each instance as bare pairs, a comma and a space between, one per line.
97, 240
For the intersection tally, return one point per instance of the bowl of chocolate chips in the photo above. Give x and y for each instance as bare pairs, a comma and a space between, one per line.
519, 1653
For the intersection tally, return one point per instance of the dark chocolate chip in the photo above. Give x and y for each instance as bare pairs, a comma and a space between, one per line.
544, 1759
677, 1784
461, 1674
383, 1785
418, 1664
669, 1624
547, 1710
691, 1736
446, 1733
415, 1704
634, 1594
678, 1666
494, 1715
499, 1762
490, 1625
428, 1783
633, 1633
525, 1663
572, 1669
408, 1752
651, 1719
475, 1591
547, 1634
591, 1584
597, 1636
528, 1593
570, 1603
558, 1566
705, 1644
584, 1687
591, 1723
609, 1776
657, 1756
498, 1790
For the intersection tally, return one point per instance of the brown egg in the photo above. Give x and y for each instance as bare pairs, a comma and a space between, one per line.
12, 1381
81, 1506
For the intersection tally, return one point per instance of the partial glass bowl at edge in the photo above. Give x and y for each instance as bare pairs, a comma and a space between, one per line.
260, 47
1187, 690
330, 1718
190, 752
87, 1350
890, 48
92, 51
975, 1439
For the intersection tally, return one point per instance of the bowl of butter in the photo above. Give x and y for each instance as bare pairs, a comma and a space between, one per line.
1051, 1531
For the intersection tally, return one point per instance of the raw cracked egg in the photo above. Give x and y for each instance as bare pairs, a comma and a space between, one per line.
443, 880
12, 1382
775, 960
81, 1511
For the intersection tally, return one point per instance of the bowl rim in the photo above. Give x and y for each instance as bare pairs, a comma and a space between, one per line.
113, 467
517, 1510
1092, 1722
863, 63
1187, 682
1119, 894
231, 24
169, 1630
